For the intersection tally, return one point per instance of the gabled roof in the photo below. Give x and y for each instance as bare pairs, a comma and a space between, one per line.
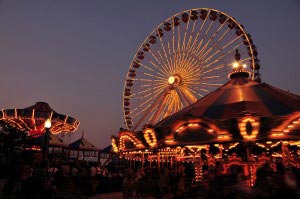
83, 144
107, 149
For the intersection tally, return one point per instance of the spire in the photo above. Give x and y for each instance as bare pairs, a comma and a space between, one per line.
82, 134
238, 69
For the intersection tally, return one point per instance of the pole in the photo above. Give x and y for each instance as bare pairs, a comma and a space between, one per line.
45, 147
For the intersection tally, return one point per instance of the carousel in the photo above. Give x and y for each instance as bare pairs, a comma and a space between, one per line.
170, 119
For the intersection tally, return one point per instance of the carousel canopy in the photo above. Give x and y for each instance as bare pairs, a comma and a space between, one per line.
238, 96
32, 119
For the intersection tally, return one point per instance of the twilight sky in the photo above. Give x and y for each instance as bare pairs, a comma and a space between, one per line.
74, 54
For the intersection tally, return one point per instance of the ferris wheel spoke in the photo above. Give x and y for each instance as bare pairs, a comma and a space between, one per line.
158, 79
160, 107
141, 107
211, 39
224, 47
245, 59
157, 88
210, 84
149, 109
214, 69
175, 101
171, 58
182, 64
154, 76
145, 96
202, 89
165, 53
184, 100
205, 54
173, 47
197, 49
214, 80
199, 32
220, 39
152, 70
163, 62
220, 57
185, 32
159, 71
158, 68
179, 56
178, 42
191, 36
162, 69
170, 108
189, 94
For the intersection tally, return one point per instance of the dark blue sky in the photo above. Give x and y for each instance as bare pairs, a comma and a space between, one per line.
75, 54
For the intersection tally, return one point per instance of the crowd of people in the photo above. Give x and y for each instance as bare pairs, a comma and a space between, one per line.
45, 179
154, 182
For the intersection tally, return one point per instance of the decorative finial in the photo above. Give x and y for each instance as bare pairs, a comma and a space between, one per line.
82, 134
238, 70
237, 55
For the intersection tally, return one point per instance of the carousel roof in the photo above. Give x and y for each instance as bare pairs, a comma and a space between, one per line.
238, 96
32, 119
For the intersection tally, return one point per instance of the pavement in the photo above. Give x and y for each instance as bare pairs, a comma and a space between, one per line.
114, 195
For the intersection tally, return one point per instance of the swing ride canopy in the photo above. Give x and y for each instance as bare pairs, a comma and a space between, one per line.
33, 118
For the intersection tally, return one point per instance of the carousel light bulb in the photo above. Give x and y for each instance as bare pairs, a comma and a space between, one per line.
244, 66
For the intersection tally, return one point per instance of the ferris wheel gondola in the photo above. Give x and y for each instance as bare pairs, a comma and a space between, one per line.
181, 60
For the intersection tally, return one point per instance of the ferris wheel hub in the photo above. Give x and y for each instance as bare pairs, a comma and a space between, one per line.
174, 80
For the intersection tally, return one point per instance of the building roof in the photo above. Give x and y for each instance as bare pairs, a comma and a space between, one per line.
107, 149
83, 144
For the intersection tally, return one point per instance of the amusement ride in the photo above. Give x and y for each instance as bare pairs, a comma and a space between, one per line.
184, 58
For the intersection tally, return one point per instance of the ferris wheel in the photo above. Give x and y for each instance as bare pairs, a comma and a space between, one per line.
181, 60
